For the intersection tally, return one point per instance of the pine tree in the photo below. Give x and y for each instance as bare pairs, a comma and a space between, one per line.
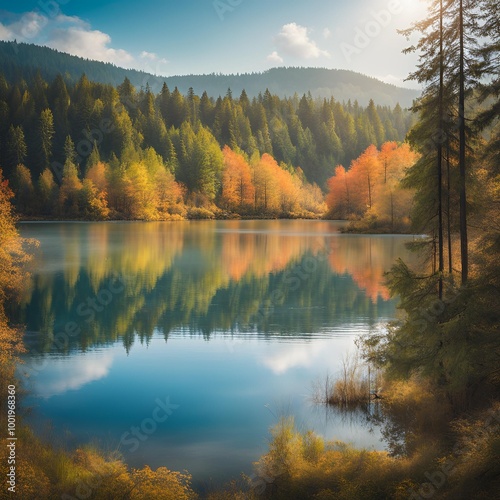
45, 138
177, 111
70, 155
47, 193
164, 99
16, 149
24, 190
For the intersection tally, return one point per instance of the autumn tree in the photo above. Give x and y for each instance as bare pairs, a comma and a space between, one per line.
13, 278
288, 186
394, 201
339, 197
24, 190
139, 193
47, 192
267, 196
94, 193
365, 172
238, 192
69, 192
169, 196
372, 186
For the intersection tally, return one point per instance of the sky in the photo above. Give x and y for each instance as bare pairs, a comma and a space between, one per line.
223, 36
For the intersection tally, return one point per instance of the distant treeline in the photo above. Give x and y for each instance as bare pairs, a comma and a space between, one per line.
23, 60
53, 125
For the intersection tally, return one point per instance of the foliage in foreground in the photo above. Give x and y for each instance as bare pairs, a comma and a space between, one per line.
44, 472
460, 462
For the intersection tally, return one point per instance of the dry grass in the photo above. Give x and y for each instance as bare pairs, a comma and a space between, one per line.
356, 384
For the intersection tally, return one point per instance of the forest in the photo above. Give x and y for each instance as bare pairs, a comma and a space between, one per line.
440, 404
91, 151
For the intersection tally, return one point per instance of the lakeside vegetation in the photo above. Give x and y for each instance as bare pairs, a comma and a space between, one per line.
371, 194
441, 408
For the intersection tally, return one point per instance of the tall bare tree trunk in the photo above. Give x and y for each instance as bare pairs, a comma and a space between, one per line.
440, 154
464, 251
448, 206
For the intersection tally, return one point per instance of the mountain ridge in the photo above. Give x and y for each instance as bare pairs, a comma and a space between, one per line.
21, 60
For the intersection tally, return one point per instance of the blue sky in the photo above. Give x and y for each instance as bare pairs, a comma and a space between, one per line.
222, 36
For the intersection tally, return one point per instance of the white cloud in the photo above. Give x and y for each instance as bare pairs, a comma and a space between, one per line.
28, 26
294, 40
275, 57
5, 33
327, 34
92, 44
74, 36
152, 63
149, 55
72, 20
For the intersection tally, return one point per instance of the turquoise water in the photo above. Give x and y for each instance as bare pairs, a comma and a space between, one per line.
181, 344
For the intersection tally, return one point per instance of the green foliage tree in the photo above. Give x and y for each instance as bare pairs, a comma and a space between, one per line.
188, 132
45, 137
16, 148
69, 200
47, 193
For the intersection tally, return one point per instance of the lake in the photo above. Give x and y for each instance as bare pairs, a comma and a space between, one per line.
180, 344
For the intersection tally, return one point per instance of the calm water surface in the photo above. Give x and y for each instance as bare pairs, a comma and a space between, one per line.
226, 323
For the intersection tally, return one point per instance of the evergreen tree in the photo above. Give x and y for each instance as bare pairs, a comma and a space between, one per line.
24, 190
45, 139
47, 193
16, 149
164, 99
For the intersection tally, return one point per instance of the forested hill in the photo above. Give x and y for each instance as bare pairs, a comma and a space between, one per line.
37, 116
20, 60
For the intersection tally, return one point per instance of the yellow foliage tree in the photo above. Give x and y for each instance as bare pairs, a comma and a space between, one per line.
238, 191
69, 192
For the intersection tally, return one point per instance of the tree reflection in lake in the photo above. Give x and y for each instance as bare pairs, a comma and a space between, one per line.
267, 277
253, 311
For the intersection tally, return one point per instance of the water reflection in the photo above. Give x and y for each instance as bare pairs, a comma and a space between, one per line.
115, 281
230, 320
70, 374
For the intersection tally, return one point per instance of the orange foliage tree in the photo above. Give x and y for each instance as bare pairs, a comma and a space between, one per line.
372, 186
279, 189
267, 197
365, 172
339, 197
238, 191
393, 202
